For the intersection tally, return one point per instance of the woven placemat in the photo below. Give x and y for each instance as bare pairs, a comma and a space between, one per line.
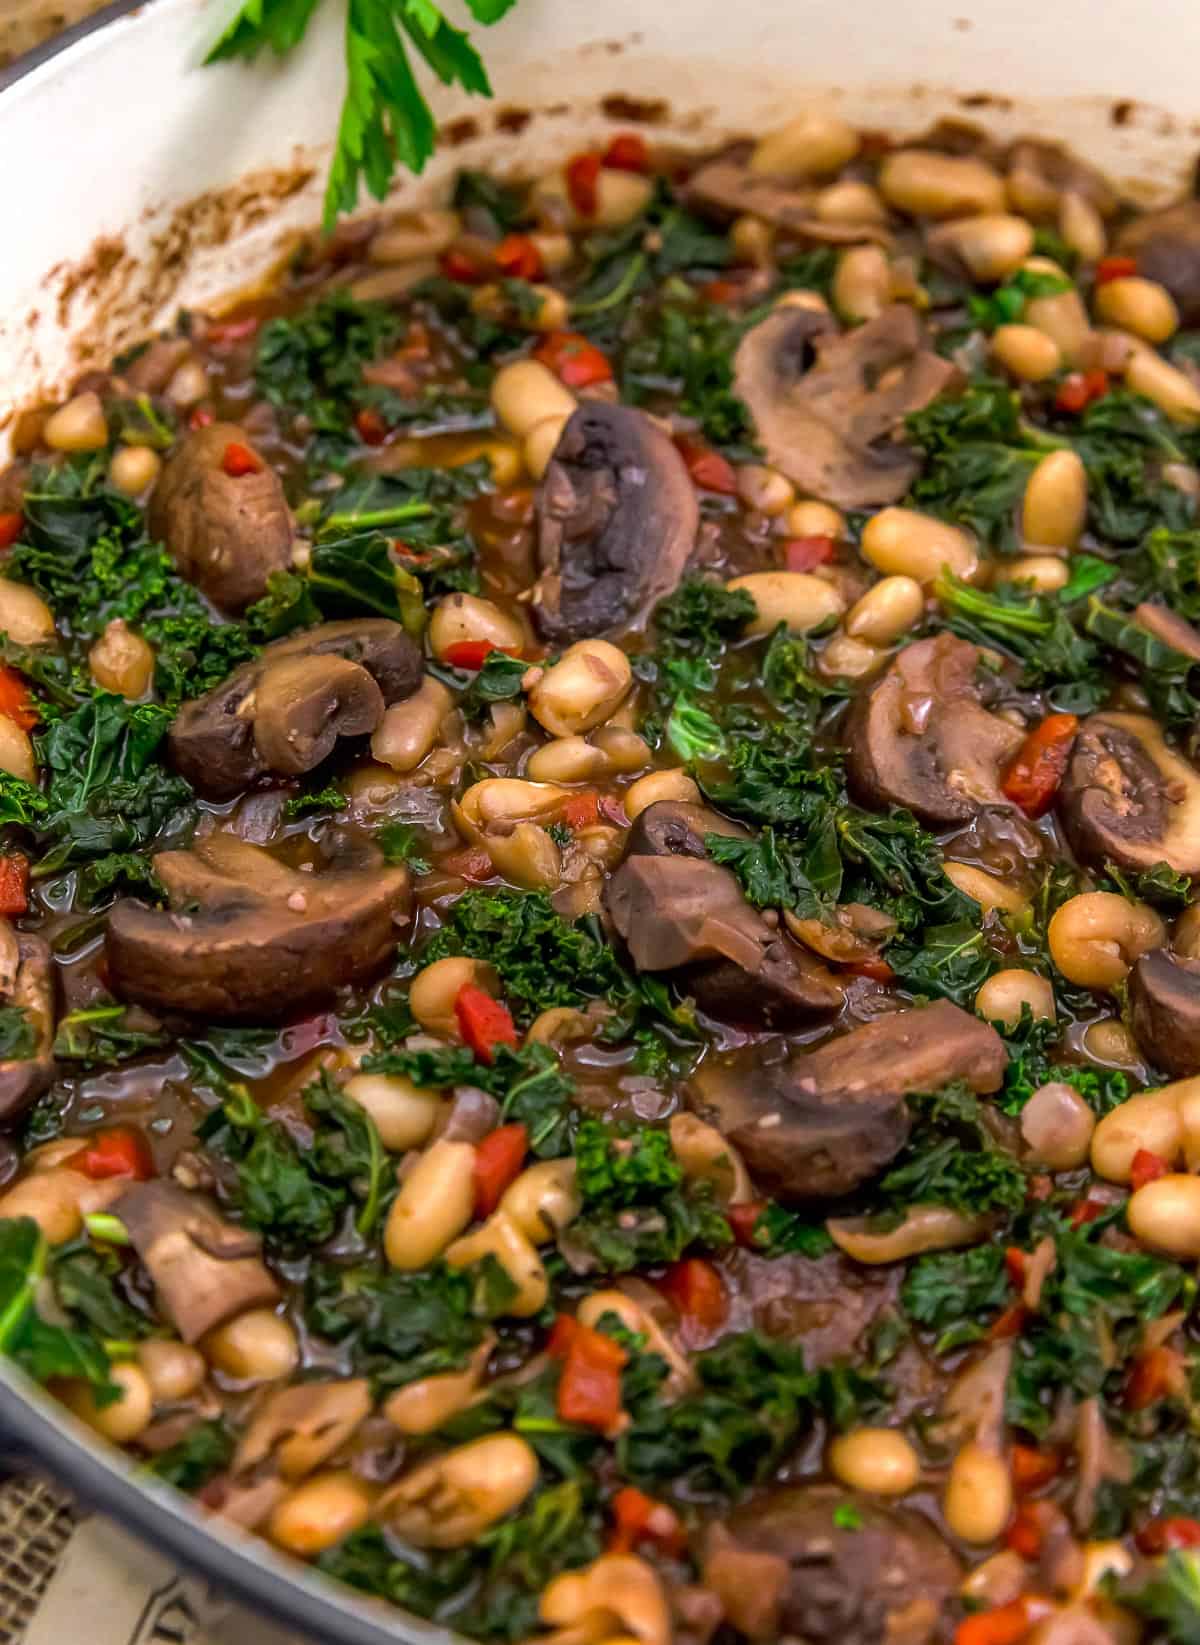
36, 1523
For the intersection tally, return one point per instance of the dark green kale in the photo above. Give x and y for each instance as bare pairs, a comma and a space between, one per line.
688, 351
396, 1327
42, 1349
1037, 630
954, 1292
104, 1033
803, 875
85, 1284
18, 1037
1031, 1065
314, 802
1170, 1595
204, 1450
895, 865
779, 1232
950, 961
400, 842
310, 364
951, 1158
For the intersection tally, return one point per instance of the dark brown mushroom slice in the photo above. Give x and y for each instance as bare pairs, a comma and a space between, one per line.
727, 188
204, 1269
1164, 996
673, 828
859, 1570
822, 1122
827, 1304
920, 736
247, 938
27, 985
617, 517
285, 710
1169, 627
1166, 247
226, 533
1129, 799
829, 409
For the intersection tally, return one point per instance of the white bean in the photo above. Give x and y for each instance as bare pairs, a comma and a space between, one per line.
978, 1497
886, 611
24, 616
409, 729
1054, 509
585, 686
526, 393
797, 599
500, 1237
134, 469
907, 543
435, 988
927, 184
880, 1461
319, 1513
811, 145
1138, 305
451, 1500
435, 1203
404, 1114
257, 1346
127, 1416
660, 785
543, 1200
1166, 1214
468, 617
1003, 996
80, 425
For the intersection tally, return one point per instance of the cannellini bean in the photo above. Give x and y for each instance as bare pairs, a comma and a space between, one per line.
1095, 938
1172, 390
1061, 315
813, 519
1100, 1561
926, 184
621, 1583
435, 988
16, 751
50, 1197
127, 1416
451, 1500
845, 658
582, 688
409, 729
1081, 226
543, 1199
188, 386
765, 489
707, 1156
1003, 996
903, 542
797, 599
1043, 572
556, 250
415, 235
403, 1114
891, 608
1055, 504
1166, 1214
501, 1237
567, 760
880, 1461
322, 1511
172, 1369
459, 617
526, 855
753, 241
435, 1203
80, 425
997, 1581
24, 616
624, 750
849, 202
540, 444
122, 661
1138, 305
862, 283
1110, 1041
978, 1497
257, 1346
991, 246
1149, 1120
425, 1406
811, 145
134, 469
504, 800
660, 785
925, 1228
1027, 353
526, 393
1057, 1125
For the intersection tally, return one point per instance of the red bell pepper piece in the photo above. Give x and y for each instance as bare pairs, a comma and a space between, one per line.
1014, 1266
581, 810
803, 553
1009, 1324
723, 292
15, 701
370, 426
1114, 268
1161, 1536
743, 1220
517, 256
639, 1518
461, 267
573, 360
876, 970
1085, 1211
627, 152
1031, 1468
1026, 1531
498, 1161
1147, 1167
583, 183
472, 654
483, 1022
14, 885
238, 460
10, 528
120, 1152
589, 1386
1006, 1625
709, 471
233, 331
1077, 391
469, 864
1032, 779
202, 417
697, 1292
1153, 1375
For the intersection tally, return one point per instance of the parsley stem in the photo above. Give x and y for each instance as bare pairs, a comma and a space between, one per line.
368, 519
618, 294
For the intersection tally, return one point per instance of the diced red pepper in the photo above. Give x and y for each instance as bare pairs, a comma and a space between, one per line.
573, 360
498, 1161
1010, 1323
583, 183
483, 1022
721, 291
238, 460
1032, 779
1026, 1531
202, 417
639, 1518
1147, 1167
876, 970
1085, 1211
16, 703
234, 331
804, 553
1014, 1265
1153, 1375
517, 256
1077, 391
743, 1220
1162, 1536
707, 468
121, 1152
1031, 1468
581, 810
10, 528
472, 654
628, 152
1006, 1625
461, 267
1039, 1187
371, 428
697, 1292
469, 864
1114, 268
14, 885
589, 1387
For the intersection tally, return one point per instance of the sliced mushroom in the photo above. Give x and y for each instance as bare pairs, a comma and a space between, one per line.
673, 828
617, 518
1164, 995
285, 711
204, 1269
830, 409
816, 1126
226, 532
302, 1426
1166, 625
247, 937
27, 982
859, 1571
727, 188
921, 738
1129, 799
1039, 174
1166, 247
